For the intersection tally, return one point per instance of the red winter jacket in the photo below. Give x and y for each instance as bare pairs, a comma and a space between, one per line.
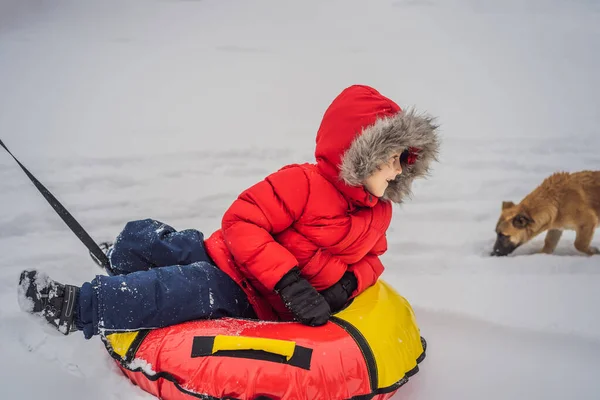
318, 216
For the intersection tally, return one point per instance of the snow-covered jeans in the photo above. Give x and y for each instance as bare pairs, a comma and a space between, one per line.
158, 277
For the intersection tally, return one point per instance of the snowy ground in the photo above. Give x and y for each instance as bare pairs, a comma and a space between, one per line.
168, 109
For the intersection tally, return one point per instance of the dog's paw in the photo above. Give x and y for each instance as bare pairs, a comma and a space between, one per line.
591, 251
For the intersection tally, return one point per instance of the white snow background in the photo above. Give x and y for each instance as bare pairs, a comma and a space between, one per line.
167, 109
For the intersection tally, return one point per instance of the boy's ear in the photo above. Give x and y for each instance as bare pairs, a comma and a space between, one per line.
507, 204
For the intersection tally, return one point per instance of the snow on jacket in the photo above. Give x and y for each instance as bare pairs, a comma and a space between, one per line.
318, 216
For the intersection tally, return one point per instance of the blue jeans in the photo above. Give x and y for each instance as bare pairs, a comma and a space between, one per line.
158, 277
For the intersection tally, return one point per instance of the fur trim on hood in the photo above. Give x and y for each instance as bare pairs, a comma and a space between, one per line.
388, 135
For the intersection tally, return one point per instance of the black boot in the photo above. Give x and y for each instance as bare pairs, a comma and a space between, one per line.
40, 295
106, 248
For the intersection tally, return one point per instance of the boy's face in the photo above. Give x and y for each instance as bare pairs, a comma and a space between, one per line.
379, 180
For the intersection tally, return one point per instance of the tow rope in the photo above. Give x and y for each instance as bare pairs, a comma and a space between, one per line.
65, 215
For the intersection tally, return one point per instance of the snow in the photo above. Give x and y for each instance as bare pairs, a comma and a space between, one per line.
143, 365
168, 109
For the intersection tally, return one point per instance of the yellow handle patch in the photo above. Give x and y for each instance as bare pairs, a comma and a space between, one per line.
281, 347
120, 342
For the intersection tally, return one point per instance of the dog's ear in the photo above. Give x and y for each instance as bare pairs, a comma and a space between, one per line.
521, 221
507, 204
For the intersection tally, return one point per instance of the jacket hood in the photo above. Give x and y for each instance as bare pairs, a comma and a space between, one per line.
360, 130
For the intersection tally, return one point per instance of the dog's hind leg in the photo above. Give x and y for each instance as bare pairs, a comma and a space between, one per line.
552, 238
584, 236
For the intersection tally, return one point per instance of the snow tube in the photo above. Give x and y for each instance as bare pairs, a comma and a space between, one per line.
367, 351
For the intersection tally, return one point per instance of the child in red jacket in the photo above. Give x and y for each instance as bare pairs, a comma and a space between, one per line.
297, 245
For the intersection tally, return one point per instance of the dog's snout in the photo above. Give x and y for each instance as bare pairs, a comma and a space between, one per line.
503, 246
497, 252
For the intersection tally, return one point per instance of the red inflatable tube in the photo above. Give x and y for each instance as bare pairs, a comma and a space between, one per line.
351, 357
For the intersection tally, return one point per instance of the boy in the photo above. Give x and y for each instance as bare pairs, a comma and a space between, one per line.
297, 245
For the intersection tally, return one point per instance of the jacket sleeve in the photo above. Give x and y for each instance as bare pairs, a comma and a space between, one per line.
369, 268
261, 211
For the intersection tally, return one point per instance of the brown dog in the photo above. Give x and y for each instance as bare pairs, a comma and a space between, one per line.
562, 201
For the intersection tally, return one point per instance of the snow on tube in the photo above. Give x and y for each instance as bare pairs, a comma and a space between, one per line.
367, 351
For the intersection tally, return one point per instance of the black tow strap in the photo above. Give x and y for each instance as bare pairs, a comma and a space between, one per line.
65, 215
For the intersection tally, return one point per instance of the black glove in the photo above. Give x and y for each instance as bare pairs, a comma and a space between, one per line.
302, 299
338, 294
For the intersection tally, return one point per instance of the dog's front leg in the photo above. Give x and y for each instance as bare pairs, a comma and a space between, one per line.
583, 239
552, 238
